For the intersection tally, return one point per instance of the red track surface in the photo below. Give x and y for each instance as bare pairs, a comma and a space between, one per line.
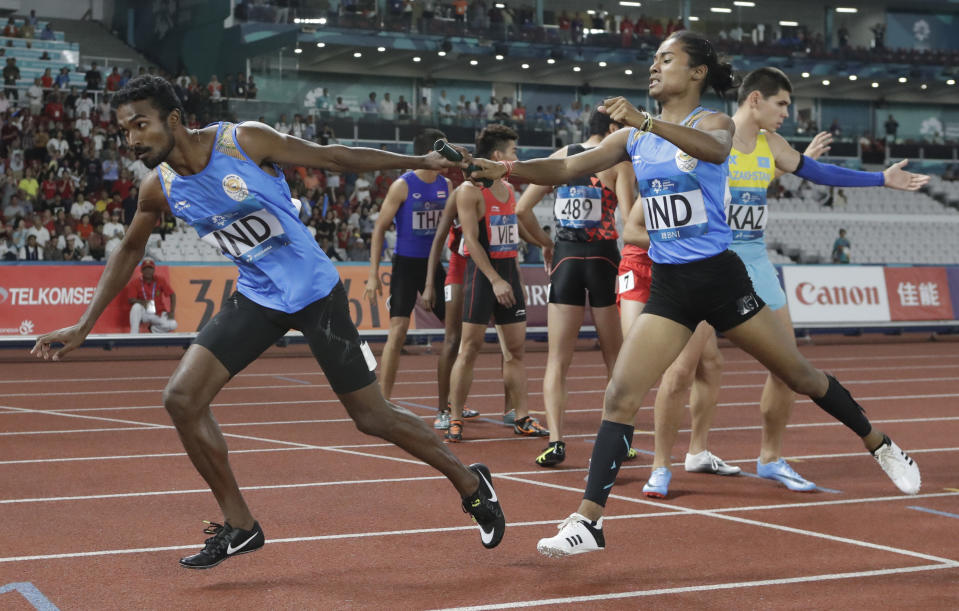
98, 500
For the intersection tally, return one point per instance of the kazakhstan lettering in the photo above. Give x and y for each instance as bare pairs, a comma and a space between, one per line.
736, 175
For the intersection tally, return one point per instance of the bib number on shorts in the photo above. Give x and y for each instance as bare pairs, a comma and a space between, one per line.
626, 282
578, 207
448, 293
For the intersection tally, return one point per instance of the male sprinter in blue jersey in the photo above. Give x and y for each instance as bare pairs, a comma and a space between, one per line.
224, 181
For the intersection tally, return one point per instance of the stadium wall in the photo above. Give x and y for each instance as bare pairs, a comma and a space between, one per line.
37, 298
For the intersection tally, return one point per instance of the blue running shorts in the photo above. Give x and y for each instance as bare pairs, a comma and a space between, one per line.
761, 272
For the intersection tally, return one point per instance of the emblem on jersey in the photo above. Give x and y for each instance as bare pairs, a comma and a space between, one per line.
685, 163
218, 220
235, 187
417, 195
656, 185
181, 205
441, 194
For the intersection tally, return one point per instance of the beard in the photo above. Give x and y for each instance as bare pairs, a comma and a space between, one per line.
152, 161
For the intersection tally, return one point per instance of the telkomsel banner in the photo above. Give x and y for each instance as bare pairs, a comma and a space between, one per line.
38, 298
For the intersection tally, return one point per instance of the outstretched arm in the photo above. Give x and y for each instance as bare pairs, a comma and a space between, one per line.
555, 171
710, 141
115, 276
817, 147
893, 177
264, 144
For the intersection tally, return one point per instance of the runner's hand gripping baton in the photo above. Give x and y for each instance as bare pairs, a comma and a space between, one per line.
443, 148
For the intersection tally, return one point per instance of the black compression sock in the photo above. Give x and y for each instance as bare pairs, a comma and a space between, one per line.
612, 445
839, 404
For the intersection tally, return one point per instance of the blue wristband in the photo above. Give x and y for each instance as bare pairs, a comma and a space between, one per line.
836, 176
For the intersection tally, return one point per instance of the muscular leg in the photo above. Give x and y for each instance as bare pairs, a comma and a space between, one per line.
629, 311
197, 379
705, 393
672, 393
610, 334
768, 340
461, 377
451, 344
652, 343
563, 323
776, 404
376, 416
514, 368
390, 359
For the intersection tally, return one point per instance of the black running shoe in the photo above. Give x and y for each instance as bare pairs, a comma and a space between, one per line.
484, 507
225, 542
554, 454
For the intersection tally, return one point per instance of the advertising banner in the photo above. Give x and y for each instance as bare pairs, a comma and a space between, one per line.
918, 293
40, 298
836, 293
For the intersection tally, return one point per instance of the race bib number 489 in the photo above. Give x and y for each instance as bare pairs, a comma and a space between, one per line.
578, 207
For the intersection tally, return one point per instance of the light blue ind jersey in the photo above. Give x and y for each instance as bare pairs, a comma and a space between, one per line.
683, 197
247, 215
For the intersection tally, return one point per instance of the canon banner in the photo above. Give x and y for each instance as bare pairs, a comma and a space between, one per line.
836, 293
37, 298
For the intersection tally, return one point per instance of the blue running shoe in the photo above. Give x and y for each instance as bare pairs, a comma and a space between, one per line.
781, 472
658, 485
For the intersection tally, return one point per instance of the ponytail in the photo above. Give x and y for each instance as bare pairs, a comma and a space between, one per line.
719, 75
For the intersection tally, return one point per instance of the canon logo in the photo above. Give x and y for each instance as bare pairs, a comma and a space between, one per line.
809, 294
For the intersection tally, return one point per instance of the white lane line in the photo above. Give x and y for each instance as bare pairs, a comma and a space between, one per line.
568, 600
339, 449
425, 478
747, 521
317, 372
752, 427
418, 398
302, 384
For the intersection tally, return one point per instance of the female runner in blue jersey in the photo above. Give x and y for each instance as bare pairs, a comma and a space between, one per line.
680, 162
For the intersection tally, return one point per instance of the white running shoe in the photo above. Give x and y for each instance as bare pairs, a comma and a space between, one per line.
707, 462
899, 466
577, 535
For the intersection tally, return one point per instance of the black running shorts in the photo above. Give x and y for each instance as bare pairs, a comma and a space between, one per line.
242, 330
407, 279
581, 267
479, 301
717, 290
